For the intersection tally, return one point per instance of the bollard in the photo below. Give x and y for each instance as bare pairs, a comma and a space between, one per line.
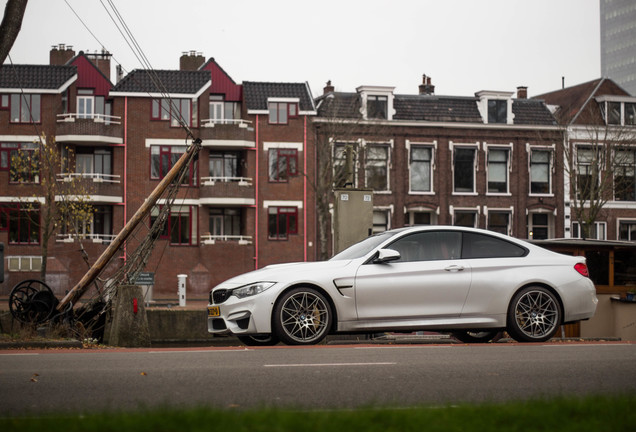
182, 289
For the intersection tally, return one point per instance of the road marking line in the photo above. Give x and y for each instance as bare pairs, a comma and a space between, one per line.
402, 347
329, 364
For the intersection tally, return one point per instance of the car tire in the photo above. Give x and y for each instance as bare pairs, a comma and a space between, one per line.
302, 316
259, 340
534, 315
468, 336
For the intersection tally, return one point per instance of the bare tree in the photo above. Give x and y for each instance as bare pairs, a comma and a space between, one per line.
599, 164
58, 202
10, 26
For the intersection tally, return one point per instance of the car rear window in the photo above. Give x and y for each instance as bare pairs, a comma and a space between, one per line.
485, 246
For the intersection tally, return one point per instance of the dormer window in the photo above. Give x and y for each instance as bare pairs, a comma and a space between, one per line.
376, 103
497, 111
377, 107
281, 111
618, 110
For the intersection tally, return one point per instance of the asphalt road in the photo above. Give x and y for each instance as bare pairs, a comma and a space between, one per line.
322, 377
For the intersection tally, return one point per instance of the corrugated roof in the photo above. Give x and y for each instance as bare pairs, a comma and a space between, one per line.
255, 94
172, 82
44, 77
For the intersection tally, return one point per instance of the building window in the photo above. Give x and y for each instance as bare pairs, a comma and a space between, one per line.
175, 110
24, 263
465, 218
627, 230
163, 158
381, 221
587, 176
85, 103
181, 227
281, 112
421, 169
281, 222
100, 224
499, 221
630, 114
497, 111
614, 113
221, 110
539, 226
625, 175
4, 101
22, 223
414, 217
283, 164
540, 172
340, 175
22, 161
225, 164
497, 171
25, 108
464, 170
225, 222
98, 161
597, 231
376, 167
377, 107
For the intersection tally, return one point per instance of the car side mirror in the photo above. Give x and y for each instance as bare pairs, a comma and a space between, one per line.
386, 255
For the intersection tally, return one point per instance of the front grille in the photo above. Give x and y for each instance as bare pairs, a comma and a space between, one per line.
219, 296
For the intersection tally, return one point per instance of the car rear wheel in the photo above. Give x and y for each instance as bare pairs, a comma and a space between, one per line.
468, 336
259, 340
302, 316
534, 315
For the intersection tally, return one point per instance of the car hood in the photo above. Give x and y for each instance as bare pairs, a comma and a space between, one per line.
300, 271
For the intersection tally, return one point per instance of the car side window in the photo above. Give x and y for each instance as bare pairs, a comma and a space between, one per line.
485, 246
428, 246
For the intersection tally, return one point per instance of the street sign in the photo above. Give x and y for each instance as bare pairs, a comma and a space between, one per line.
145, 278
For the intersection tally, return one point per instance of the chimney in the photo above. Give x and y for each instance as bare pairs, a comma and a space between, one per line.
191, 61
522, 92
119, 73
102, 61
328, 88
61, 54
426, 88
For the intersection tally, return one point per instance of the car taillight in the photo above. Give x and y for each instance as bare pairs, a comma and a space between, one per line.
582, 269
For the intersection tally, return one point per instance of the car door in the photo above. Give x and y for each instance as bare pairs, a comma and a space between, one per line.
429, 279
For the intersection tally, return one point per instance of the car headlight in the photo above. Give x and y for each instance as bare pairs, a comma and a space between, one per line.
252, 289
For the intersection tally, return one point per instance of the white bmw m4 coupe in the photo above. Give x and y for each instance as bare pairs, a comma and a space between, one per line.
469, 282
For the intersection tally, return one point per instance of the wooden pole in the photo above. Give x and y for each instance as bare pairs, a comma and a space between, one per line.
79, 289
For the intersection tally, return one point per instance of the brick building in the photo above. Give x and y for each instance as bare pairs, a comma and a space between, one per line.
485, 161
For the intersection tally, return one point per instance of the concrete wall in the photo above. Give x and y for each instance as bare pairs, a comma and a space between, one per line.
612, 319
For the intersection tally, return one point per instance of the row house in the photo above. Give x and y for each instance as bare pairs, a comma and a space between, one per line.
599, 121
244, 203
486, 161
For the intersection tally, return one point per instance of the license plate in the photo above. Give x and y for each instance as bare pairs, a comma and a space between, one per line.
213, 311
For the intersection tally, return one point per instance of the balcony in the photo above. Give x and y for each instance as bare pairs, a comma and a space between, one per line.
227, 133
93, 238
96, 184
209, 239
95, 128
227, 190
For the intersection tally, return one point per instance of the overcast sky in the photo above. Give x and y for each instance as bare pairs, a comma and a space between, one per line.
464, 45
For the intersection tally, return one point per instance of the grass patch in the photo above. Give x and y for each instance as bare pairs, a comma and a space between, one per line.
593, 413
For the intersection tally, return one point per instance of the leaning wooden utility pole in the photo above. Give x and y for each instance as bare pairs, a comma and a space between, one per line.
81, 287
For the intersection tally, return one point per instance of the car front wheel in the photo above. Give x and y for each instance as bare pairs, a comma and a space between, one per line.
534, 315
302, 316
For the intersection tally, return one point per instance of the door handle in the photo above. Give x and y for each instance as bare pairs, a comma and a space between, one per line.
454, 268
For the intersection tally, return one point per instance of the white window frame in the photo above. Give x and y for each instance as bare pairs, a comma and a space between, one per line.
476, 210
509, 210
389, 145
551, 168
601, 234
551, 222
509, 148
433, 147
618, 225
474, 146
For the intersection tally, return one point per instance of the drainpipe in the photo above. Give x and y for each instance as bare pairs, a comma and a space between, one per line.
305, 190
125, 170
256, 201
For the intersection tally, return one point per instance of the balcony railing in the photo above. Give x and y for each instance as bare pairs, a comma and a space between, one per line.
209, 239
211, 181
97, 118
97, 177
95, 238
212, 122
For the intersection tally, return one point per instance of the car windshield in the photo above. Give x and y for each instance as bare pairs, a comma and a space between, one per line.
362, 248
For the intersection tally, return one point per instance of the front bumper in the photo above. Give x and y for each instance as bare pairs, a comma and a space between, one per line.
251, 315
